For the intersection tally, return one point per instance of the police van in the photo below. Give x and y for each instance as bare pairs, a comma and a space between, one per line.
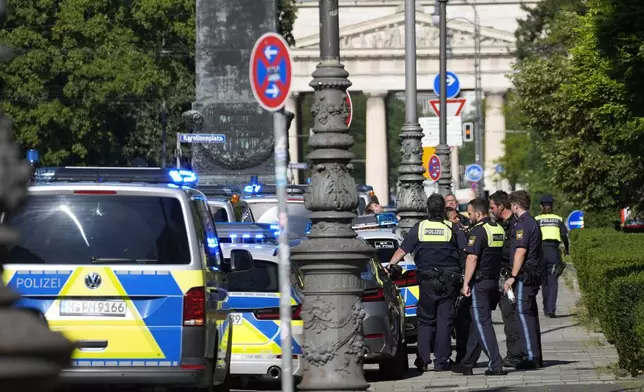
126, 263
379, 230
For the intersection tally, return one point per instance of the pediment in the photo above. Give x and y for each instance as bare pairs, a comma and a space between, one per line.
388, 32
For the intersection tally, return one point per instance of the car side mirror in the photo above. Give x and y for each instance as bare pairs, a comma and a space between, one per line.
240, 260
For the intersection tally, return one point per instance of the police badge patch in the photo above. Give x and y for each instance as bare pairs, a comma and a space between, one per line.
471, 241
519, 235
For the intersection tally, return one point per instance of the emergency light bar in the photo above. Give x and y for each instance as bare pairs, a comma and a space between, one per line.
255, 188
374, 221
152, 175
246, 233
220, 190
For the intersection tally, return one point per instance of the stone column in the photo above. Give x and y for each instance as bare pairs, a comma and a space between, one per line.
456, 172
494, 135
293, 106
377, 163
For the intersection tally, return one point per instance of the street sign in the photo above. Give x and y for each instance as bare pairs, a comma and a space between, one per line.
298, 165
202, 138
468, 132
431, 132
349, 103
575, 220
453, 85
499, 168
434, 168
473, 173
454, 106
270, 71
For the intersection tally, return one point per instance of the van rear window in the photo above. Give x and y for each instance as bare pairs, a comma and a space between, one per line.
100, 229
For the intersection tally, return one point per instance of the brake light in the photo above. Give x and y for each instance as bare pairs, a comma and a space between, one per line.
373, 295
194, 307
95, 192
409, 278
274, 313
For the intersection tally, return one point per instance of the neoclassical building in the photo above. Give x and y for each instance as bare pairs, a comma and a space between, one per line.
372, 50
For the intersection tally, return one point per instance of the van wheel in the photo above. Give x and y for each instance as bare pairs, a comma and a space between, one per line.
396, 368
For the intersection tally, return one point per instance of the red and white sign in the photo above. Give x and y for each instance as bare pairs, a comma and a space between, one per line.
454, 106
434, 167
349, 103
271, 71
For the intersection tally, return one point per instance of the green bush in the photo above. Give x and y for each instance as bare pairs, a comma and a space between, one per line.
610, 270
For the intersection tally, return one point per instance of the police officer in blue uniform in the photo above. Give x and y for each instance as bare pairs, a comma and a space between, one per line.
553, 233
526, 276
435, 245
482, 268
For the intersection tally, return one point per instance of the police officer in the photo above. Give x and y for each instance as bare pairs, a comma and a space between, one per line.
526, 276
435, 245
482, 268
463, 320
553, 233
500, 208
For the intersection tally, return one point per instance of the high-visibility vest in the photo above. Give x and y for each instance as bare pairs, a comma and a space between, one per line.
435, 231
550, 226
495, 235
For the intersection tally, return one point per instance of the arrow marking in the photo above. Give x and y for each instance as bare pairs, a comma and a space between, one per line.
273, 91
450, 80
269, 52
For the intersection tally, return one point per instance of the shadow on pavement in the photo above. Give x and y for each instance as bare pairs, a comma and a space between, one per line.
564, 388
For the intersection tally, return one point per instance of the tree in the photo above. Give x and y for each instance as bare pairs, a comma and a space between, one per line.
286, 15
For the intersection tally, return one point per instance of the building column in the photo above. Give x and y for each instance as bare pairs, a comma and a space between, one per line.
377, 160
293, 106
456, 168
494, 137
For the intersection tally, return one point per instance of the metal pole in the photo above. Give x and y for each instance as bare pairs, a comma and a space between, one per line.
332, 258
281, 156
442, 150
178, 150
478, 128
411, 200
164, 135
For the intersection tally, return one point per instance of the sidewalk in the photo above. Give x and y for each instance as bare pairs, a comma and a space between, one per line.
574, 358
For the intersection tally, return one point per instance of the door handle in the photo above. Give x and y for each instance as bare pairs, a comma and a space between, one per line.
91, 345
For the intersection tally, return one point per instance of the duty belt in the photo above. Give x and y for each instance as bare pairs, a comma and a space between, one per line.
442, 280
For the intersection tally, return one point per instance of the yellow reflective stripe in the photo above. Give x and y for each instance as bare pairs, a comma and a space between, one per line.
549, 224
430, 231
495, 235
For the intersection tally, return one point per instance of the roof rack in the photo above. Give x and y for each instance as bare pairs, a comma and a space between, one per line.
151, 175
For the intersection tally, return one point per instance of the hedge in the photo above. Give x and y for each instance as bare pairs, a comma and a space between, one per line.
610, 269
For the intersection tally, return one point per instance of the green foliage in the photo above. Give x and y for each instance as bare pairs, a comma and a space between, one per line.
395, 121
286, 15
610, 268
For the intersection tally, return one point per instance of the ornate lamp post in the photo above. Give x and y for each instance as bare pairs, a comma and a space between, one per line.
411, 199
332, 258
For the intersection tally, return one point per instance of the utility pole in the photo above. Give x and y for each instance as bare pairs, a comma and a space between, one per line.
478, 124
442, 150
411, 200
164, 135
332, 258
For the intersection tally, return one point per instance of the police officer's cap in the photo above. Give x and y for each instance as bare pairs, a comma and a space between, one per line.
546, 199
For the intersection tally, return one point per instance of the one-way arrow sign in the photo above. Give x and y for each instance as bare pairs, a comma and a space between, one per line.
453, 85
450, 80
273, 91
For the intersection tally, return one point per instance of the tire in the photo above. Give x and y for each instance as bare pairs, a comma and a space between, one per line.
397, 367
226, 386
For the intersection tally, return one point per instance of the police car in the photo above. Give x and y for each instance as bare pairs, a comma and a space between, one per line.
126, 263
254, 301
225, 204
379, 230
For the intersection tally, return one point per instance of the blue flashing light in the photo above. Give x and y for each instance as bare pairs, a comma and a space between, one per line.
33, 156
386, 218
182, 176
308, 227
275, 227
212, 242
253, 188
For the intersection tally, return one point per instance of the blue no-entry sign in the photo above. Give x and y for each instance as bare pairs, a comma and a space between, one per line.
575, 220
473, 173
270, 71
453, 85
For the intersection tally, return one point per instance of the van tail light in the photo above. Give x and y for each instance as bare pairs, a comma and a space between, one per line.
97, 192
373, 295
409, 278
274, 313
194, 307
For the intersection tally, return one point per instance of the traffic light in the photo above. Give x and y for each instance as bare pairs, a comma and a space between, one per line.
468, 132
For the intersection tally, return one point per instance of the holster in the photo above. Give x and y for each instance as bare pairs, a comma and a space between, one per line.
560, 268
443, 282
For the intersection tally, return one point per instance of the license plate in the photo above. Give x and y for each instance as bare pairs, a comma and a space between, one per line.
93, 308
237, 318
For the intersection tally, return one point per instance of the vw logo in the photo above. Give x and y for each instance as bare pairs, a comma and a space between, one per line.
93, 280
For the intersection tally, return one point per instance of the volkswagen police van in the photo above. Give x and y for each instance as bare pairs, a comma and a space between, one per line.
126, 263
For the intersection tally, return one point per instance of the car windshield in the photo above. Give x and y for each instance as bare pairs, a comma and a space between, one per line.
298, 216
262, 278
219, 213
385, 248
86, 229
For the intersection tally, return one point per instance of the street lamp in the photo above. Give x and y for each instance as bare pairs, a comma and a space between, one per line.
442, 150
410, 201
332, 258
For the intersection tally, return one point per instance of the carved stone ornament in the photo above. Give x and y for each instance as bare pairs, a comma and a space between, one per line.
322, 110
331, 188
411, 196
317, 316
409, 149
